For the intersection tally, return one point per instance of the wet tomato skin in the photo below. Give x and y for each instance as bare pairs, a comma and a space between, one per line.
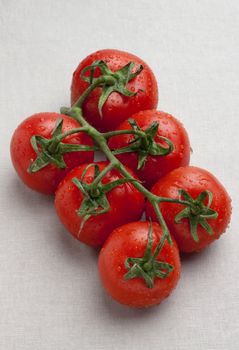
155, 166
22, 153
126, 204
130, 240
194, 180
117, 108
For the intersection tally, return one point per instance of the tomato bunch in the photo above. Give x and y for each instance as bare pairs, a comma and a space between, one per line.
114, 97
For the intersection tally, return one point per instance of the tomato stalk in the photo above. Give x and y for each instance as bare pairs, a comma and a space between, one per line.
148, 267
122, 132
194, 210
107, 80
100, 176
203, 211
101, 141
51, 151
95, 201
144, 143
53, 146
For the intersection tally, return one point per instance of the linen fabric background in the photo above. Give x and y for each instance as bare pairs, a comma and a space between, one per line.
50, 293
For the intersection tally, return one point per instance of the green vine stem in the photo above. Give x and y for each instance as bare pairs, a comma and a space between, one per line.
122, 132
57, 139
69, 132
196, 211
108, 80
100, 140
51, 151
95, 183
192, 206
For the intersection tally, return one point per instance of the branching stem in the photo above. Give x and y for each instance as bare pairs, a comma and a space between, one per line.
123, 132
101, 141
110, 82
106, 79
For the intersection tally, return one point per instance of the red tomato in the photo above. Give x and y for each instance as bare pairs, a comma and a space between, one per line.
126, 204
117, 108
155, 166
130, 240
22, 152
194, 180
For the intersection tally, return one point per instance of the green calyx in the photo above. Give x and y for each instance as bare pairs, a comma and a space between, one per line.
197, 212
112, 81
51, 151
95, 201
144, 145
148, 267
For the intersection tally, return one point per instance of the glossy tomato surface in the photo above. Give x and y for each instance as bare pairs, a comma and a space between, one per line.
130, 240
22, 153
117, 108
126, 204
155, 166
194, 180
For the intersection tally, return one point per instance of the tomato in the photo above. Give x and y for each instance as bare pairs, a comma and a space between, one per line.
117, 107
194, 181
130, 241
155, 166
126, 204
22, 153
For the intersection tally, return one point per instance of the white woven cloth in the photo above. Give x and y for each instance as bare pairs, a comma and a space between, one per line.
50, 294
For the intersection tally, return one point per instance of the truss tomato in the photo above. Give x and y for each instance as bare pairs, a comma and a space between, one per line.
117, 107
26, 160
207, 214
125, 204
154, 166
121, 257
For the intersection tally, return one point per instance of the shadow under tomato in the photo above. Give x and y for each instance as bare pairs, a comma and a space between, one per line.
26, 201
72, 247
197, 256
118, 311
